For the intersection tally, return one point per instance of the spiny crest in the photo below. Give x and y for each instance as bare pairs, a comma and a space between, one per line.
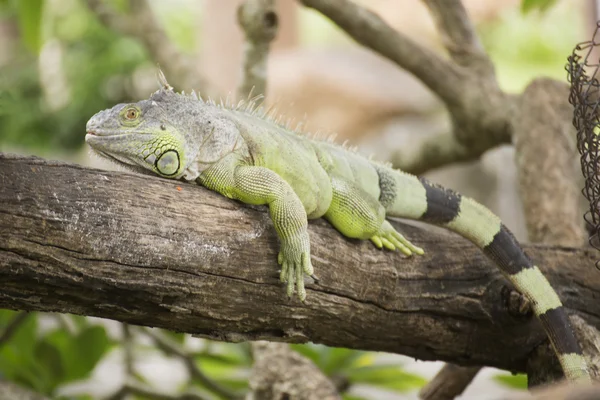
254, 106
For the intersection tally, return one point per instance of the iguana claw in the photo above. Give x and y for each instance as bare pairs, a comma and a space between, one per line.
391, 239
293, 270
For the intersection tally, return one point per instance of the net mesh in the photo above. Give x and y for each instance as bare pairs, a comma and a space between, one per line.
582, 67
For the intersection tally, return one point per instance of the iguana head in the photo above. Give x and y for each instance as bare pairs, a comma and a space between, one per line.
161, 134
140, 135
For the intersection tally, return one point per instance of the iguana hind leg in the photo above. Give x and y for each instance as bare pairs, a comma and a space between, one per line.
357, 214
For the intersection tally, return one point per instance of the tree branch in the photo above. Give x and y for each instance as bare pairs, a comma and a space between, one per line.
11, 328
432, 152
155, 252
259, 22
280, 373
371, 31
173, 349
481, 113
449, 382
142, 24
458, 34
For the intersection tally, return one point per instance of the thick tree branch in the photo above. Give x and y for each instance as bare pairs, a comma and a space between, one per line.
150, 251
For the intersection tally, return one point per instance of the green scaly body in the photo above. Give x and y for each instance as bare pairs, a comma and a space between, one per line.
249, 157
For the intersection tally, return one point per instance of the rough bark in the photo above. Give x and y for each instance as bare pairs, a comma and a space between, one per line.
149, 251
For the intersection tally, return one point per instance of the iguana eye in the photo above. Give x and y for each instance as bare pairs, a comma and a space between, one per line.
168, 163
131, 113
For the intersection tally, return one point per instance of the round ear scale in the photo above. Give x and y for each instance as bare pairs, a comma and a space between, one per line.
168, 163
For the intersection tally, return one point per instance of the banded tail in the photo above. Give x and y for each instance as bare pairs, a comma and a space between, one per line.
406, 196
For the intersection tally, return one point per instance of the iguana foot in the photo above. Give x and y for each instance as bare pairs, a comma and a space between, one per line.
391, 239
294, 264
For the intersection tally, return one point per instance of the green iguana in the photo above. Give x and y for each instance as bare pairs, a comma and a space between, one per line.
243, 154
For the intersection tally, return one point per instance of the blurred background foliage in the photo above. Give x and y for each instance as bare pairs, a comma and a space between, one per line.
65, 65
59, 65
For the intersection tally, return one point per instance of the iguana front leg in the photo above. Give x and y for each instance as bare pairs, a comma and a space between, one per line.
259, 185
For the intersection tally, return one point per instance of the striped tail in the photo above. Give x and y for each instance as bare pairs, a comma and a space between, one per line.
407, 196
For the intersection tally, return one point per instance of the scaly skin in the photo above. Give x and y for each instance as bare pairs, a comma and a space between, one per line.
249, 157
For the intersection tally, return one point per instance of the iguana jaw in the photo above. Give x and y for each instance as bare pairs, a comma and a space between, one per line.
107, 145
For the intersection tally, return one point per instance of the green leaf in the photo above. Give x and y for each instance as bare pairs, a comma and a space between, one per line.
49, 365
530, 5
341, 359
239, 384
389, 377
30, 23
86, 350
310, 351
352, 397
6, 315
518, 381
174, 336
80, 353
16, 355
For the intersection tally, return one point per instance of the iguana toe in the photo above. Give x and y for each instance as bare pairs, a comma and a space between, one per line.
389, 238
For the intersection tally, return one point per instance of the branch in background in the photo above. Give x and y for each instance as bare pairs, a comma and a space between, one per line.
128, 344
480, 112
171, 348
259, 22
449, 382
458, 34
280, 372
141, 23
12, 327
191, 273
432, 152
371, 31
146, 392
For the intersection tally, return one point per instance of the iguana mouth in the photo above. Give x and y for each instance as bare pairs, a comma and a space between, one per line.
102, 133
